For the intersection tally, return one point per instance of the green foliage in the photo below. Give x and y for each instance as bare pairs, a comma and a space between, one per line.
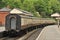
47, 7
13, 3
2, 3
44, 7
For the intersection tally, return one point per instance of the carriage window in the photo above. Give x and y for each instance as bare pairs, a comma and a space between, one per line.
13, 23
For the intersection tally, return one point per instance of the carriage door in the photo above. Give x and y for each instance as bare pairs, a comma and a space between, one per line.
13, 23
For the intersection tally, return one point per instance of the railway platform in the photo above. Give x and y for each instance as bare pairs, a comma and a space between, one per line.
49, 33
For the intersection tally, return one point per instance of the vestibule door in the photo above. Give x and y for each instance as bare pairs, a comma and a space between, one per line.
13, 23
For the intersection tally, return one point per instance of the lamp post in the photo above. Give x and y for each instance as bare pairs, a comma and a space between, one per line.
57, 16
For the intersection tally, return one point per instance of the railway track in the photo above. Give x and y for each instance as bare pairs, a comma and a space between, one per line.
25, 37
34, 35
7, 38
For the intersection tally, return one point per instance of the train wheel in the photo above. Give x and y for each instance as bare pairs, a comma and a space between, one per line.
5, 33
21, 33
12, 33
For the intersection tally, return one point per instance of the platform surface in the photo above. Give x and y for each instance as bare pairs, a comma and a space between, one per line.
2, 28
49, 33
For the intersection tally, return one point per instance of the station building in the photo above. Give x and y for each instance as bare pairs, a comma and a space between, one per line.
3, 12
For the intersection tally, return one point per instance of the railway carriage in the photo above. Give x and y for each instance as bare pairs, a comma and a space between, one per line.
17, 22
17, 25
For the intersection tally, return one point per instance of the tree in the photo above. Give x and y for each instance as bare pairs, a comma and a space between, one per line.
47, 7
13, 3
44, 7
29, 6
2, 3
